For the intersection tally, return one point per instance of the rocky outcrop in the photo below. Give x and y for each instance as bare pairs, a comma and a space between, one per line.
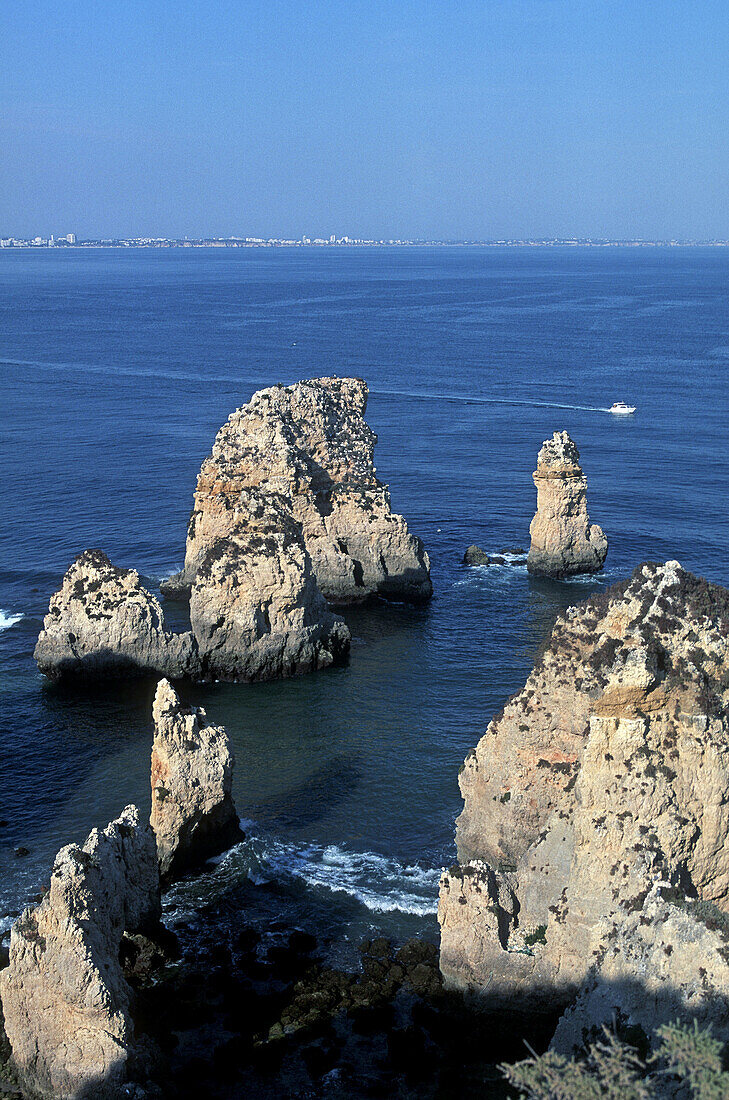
64, 996
664, 960
310, 444
193, 814
476, 556
103, 622
563, 540
255, 607
606, 775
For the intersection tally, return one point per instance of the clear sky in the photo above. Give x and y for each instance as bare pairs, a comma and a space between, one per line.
413, 118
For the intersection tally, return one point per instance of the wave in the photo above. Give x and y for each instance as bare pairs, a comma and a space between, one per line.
8, 619
380, 883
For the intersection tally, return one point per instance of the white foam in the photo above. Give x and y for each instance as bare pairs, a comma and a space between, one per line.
7, 619
379, 882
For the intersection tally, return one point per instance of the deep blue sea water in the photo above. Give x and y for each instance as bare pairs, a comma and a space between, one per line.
117, 369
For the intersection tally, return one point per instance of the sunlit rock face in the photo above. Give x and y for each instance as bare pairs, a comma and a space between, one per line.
193, 814
309, 444
255, 607
596, 811
66, 1002
103, 622
563, 542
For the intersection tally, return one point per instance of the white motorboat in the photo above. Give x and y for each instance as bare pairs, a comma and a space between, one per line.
621, 409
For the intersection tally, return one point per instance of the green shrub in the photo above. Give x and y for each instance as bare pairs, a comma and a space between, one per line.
686, 1066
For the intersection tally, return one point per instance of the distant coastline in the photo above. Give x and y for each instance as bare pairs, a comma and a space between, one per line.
71, 241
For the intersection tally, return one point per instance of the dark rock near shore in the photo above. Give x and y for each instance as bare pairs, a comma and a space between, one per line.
476, 556
270, 1019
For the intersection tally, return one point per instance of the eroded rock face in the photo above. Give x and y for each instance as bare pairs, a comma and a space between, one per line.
103, 622
65, 999
310, 444
661, 962
563, 540
255, 607
193, 814
607, 773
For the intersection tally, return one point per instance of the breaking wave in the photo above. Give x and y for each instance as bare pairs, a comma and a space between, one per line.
7, 619
380, 883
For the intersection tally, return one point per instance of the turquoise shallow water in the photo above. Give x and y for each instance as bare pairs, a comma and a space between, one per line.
119, 367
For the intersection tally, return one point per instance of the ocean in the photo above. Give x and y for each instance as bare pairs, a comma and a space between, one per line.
119, 366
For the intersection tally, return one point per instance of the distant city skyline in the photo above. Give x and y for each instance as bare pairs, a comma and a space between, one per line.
71, 240
435, 120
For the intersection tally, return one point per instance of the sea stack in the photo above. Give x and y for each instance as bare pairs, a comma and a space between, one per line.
255, 607
310, 445
593, 870
103, 622
562, 540
65, 999
193, 814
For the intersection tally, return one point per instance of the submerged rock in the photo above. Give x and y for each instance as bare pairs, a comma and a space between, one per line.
66, 1003
563, 542
476, 556
193, 814
255, 607
103, 622
606, 775
310, 444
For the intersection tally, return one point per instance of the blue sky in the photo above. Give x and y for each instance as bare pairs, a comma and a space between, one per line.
475, 119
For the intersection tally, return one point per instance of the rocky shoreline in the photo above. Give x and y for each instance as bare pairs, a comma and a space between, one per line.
591, 888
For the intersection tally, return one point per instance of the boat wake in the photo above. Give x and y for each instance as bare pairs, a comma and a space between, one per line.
462, 400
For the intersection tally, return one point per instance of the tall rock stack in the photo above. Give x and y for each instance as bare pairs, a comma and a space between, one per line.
563, 542
193, 814
309, 444
593, 868
66, 1002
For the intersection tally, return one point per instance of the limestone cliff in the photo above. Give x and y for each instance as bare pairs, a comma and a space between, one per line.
310, 444
563, 541
65, 999
193, 815
607, 774
103, 622
255, 607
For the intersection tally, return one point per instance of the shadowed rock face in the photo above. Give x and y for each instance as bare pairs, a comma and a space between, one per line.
596, 810
563, 540
255, 607
103, 622
310, 445
193, 814
65, 999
